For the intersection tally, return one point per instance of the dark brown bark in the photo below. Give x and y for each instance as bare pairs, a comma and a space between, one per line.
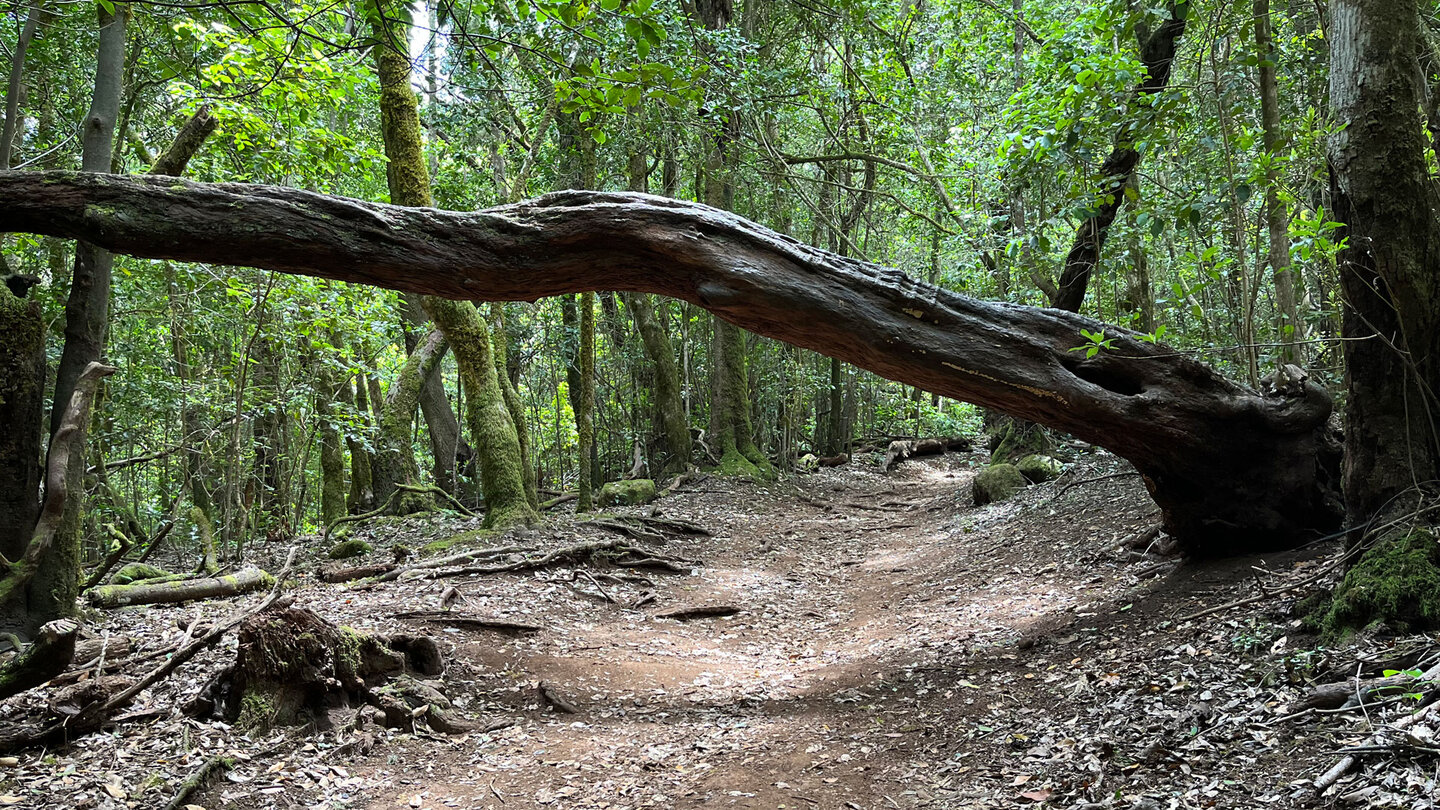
1158, 54
1233, 469
186, 144
22, 397
1389, 272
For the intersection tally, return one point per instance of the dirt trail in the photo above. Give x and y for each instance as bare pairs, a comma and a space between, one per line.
894, 647
855, 591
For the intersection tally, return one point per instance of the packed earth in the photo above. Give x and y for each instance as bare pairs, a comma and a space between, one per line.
843, 639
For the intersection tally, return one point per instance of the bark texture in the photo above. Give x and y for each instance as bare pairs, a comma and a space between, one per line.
1390, 270
1194, 434
501, 476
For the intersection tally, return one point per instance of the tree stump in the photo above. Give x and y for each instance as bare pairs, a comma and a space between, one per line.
294, 668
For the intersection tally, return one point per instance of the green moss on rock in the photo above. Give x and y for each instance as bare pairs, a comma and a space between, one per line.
1397, 583
627, 493
1019, 439
997, 483
1039, 469
345, 549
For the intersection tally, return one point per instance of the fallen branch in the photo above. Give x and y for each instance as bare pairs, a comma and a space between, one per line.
94, 716
620, 554
558, 500
48, 656
470, 620
901, 449
653, 529
151, 593
698, 612
213, 767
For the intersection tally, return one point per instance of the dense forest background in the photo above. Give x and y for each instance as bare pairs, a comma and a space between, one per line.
1159, 167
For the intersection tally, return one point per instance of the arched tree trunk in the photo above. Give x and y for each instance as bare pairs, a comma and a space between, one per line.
1233, 469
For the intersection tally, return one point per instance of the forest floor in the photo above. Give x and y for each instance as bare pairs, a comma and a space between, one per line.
894, 647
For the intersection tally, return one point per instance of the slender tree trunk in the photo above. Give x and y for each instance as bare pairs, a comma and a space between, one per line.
362, 488
499, 339
394, 461
1157, 54
440, 419
332, 450
669, 403
51, 594
1291, 328
585, 412
501, 473
16, 85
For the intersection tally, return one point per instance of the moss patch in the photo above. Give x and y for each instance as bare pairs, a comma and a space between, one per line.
734, 463
1019, 439
345, 549
135, 572
1039, 469
1397, 583
627, 493
462, 539
997, 483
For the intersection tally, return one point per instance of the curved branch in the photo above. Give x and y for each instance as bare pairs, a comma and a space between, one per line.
1135, 398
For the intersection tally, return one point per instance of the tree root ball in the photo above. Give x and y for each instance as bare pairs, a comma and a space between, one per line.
294, 667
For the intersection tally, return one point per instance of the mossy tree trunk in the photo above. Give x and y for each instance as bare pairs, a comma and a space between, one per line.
22, 393
362, 491
440, 420
56, 585
493, 430
500, 342
394, 461
585, 413
669, 404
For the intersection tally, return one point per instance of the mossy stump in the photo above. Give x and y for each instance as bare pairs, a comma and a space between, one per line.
1395, 585
1016, 439
294, 667
997, 482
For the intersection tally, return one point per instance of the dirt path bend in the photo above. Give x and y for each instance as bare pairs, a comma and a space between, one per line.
864, 601
890, 646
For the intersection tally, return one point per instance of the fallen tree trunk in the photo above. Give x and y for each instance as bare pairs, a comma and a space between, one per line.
147, 593
901, 449
1232, 469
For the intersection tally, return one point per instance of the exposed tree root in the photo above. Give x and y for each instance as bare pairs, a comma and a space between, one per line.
213, 767
47, 657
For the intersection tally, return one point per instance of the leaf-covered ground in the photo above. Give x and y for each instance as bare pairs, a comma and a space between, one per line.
892, 647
